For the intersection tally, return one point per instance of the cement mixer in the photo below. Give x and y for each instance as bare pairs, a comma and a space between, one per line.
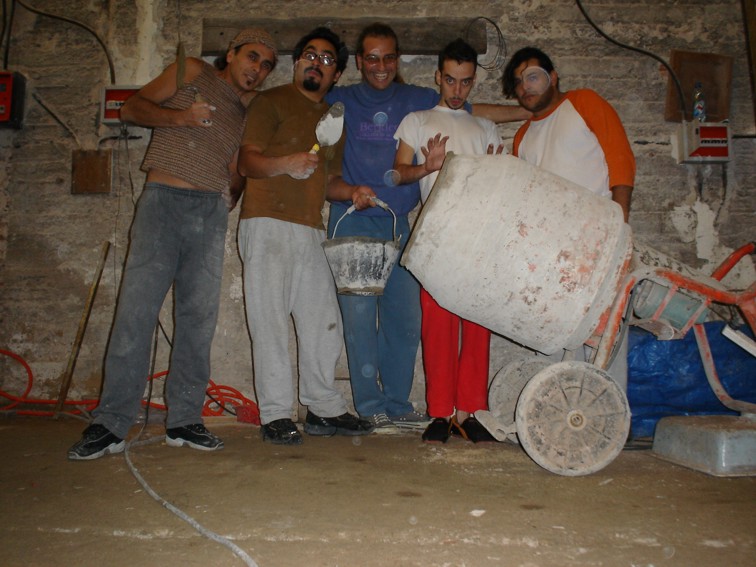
551, 266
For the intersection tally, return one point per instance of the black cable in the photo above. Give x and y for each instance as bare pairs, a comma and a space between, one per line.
83, 26
638, 50
9, 29
5, 27
500, 56
57, 119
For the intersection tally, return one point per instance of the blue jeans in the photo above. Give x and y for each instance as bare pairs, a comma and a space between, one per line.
177, 238
381, 333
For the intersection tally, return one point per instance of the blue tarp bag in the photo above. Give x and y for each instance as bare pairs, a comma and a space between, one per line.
668, 378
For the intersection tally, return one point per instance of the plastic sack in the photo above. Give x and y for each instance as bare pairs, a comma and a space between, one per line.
668, 377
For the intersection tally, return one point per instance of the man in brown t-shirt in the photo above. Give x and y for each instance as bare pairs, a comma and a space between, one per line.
286, 273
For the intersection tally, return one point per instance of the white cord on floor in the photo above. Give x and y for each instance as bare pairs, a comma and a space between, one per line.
238, 551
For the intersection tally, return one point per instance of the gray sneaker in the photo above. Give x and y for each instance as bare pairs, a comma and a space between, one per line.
411, 420
383, 425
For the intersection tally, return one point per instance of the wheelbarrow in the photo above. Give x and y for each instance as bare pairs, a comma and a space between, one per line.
551, 266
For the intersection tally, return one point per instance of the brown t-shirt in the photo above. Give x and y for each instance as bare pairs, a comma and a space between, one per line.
281, 121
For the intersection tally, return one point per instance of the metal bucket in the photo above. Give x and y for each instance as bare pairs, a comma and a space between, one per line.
361, 265
521, 251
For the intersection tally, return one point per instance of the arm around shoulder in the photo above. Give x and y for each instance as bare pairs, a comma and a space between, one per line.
501, 113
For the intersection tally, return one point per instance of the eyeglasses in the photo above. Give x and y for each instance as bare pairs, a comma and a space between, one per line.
325, 58
388, 59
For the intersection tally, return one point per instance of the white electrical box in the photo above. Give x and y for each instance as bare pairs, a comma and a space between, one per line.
111, 101
701, 142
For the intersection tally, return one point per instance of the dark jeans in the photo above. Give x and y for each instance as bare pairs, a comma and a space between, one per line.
178, 239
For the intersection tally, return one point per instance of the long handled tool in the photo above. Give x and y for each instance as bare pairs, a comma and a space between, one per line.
68, 374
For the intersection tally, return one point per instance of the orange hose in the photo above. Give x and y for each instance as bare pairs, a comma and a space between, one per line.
223, 396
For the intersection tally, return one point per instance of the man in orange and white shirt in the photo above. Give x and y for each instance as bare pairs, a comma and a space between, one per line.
576, 134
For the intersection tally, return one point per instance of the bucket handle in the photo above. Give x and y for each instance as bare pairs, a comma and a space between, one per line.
352, 208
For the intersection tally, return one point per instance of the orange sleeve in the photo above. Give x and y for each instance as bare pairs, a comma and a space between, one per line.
518, 138
605, 123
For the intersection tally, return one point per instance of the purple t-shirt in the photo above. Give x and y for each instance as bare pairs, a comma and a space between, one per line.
371, 119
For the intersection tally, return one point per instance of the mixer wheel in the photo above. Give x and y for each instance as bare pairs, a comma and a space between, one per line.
572, 418
506, 386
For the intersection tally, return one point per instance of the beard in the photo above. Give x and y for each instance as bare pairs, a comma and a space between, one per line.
311, 85
540, 103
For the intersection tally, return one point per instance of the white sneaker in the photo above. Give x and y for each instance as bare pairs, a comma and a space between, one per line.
383, 425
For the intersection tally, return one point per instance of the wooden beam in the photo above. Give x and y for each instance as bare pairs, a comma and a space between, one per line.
417, 36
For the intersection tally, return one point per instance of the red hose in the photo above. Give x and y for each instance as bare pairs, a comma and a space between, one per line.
246, 409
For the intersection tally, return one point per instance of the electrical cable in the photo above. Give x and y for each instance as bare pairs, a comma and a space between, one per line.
83, 26
500, 56
5, 28
167, 505
638, 50
6, 52
238, 551
23, 399
57, 119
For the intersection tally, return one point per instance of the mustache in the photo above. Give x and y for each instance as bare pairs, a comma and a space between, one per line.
317, 70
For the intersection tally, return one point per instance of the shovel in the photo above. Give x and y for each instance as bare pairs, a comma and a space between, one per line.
329, 129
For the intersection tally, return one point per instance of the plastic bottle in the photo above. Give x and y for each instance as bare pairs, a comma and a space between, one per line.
699, 103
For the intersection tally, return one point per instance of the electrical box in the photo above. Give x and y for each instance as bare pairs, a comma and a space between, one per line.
91, 171
701, 142
112, 100
12, 91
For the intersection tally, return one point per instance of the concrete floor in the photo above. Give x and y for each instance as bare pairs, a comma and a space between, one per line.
371, 501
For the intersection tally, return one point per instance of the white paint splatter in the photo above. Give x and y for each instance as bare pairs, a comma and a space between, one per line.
717, 543
695, 223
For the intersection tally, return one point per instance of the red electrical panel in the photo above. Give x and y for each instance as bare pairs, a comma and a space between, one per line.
12, 90
113, 98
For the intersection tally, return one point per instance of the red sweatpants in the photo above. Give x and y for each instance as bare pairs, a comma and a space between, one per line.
456, 372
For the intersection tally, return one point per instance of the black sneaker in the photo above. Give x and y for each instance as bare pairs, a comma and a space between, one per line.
344, 424
96, 441
195, 436
281, 432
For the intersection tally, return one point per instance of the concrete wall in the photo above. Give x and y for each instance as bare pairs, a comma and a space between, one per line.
50, 240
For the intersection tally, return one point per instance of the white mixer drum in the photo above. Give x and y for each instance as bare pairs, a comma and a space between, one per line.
521, 251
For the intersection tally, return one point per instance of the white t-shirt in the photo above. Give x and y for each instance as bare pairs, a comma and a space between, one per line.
468, 135
582, 140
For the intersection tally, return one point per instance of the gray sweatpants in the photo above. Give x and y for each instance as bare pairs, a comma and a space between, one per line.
286, 274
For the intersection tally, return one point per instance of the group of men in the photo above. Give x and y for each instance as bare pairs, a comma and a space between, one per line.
215, 137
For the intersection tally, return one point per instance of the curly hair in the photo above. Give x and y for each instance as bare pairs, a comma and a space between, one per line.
342, 52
